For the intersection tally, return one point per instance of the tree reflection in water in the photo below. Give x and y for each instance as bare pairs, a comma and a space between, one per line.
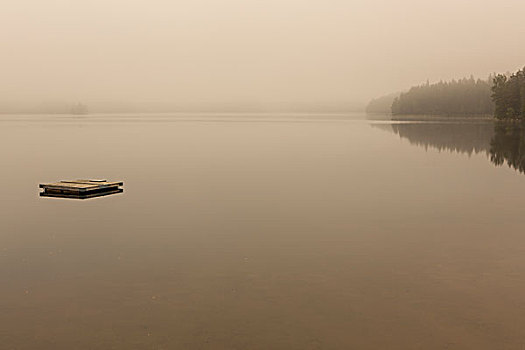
508, 145
456, 137
502, 142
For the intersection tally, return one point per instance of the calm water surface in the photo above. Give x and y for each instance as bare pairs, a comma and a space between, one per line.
262, 232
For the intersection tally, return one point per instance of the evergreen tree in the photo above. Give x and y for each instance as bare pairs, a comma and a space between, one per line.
508, 94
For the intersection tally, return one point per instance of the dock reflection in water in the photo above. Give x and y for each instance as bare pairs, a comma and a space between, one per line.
81, 196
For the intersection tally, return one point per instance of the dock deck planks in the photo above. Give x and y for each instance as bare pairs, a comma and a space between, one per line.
91, 188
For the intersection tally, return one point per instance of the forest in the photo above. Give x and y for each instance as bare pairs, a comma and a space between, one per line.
501, 95
465, 96
509, 95
382, 104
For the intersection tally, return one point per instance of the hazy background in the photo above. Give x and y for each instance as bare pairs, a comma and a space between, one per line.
162, 55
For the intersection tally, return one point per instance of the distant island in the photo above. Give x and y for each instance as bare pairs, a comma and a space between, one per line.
79, 109
501, 96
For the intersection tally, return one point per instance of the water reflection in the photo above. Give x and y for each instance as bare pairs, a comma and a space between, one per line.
251, 235
508, 146
469, 138
502, 143
81, 196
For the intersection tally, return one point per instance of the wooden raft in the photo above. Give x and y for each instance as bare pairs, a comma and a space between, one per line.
80, 188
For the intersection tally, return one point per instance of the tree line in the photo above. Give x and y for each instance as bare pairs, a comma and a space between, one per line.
501, 95
464, 96
382, 104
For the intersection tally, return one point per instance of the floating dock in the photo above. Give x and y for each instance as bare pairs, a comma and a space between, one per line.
80, 189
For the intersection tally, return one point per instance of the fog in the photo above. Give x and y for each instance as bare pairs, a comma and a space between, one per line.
120, 55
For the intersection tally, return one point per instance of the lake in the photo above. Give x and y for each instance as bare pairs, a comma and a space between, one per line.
263, 231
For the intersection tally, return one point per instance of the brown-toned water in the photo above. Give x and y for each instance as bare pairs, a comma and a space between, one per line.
262, 232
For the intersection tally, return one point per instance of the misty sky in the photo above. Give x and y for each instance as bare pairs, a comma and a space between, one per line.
248, 51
